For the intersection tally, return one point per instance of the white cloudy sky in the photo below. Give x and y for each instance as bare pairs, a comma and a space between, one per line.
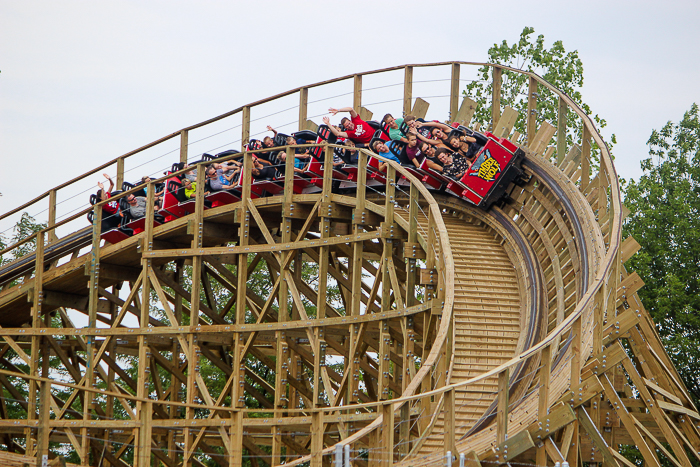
82, 82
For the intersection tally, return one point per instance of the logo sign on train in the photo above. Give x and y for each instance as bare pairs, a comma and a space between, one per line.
486, 168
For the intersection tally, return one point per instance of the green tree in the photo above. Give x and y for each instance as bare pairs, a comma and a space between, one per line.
560, 68
25, 227
665, 220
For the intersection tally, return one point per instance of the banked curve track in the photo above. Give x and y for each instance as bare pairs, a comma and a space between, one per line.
385, 321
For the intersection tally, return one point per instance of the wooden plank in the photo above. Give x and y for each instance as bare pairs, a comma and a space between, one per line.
542, 138
311, 126
531, 118
407, 89
590, 428
454, 92
303, 107
277, 247
184, 144
466, 111
506, 122
420, 108
245, 126
585, 158
502, 414
357, 93
678, 409
628, 248
562, 115
618, 328
628, 422
496, 96
629, 286
365, 114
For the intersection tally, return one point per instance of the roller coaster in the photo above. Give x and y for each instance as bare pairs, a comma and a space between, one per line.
350, 316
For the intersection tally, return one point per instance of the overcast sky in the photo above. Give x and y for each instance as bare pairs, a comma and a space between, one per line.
83, 82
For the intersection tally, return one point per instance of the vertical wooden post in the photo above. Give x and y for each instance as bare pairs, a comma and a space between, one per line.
52, 216
190, 351
93, 299
353, 367
387, 435
36, 342
184, 142
407, 90
448, 408
120, 173
543, 399
238, 398
142, 453
236, 436
496, 96
585, 158
357, 93
42, 445
405, 430
502, 415
384, 337
245, 126
316, 439
144, 445
303, 107
562, 116
600, 304
281, 363
454, 91
531, 110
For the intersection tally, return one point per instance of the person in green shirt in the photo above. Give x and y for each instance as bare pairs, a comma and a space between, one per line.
190, 188
394, 124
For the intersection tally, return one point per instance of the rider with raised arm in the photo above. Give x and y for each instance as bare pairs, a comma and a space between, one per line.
355, 128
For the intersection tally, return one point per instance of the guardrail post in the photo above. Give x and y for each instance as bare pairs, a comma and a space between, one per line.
245, 126
531, 110
303, 107
407, 90
357, 93
184, 142
585, 158
502, 415
52, 216
454, 91
496, 96
562, 115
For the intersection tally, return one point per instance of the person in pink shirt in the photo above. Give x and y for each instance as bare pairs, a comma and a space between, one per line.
355, 128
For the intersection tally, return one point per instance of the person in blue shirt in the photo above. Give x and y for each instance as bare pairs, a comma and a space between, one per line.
384, 150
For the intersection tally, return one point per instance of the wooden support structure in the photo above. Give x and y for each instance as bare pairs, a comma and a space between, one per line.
371, 313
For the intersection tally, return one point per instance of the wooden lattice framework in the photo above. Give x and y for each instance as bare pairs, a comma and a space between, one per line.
586, 373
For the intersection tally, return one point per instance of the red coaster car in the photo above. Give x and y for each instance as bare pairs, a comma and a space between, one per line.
495, 167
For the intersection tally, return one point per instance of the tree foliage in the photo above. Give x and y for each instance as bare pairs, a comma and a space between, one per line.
562, 69
665, 220
24, 228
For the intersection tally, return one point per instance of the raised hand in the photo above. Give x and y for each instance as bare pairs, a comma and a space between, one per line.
269, 128
107, 176
327, 120
333, 111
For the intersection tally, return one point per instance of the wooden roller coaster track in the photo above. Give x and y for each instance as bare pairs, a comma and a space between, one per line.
386, 324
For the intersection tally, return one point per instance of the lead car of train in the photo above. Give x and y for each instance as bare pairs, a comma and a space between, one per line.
496, 165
